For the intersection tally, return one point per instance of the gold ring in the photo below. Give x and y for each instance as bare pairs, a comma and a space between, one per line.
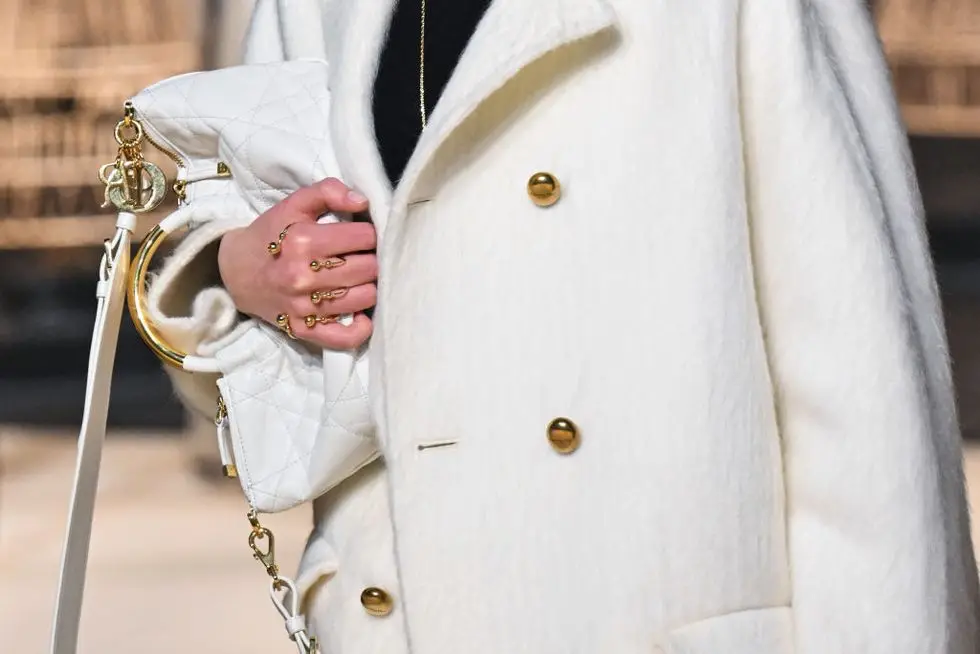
275, 247
282, 322
316, 297
312, 320
327, 264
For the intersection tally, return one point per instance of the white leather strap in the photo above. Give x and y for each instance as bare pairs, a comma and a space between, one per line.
111, 294
286, 599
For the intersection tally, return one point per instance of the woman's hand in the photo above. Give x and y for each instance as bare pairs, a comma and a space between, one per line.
320, 270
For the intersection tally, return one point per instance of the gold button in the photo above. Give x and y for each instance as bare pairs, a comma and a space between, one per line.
563, 435
376, 601
544, 189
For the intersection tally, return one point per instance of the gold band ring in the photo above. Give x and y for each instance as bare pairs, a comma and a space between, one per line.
313, 319
327, 264
282, 322
316, 297
275, 247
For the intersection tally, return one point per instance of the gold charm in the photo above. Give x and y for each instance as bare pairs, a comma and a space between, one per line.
138, 189
110, 176
132, 183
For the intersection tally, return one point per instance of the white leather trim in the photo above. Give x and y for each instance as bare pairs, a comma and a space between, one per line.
194, 363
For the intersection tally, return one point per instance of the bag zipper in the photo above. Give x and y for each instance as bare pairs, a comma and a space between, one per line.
158, 141
130, 110
225, 448
180, 184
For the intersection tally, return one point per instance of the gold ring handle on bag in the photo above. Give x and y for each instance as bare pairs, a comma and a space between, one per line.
136, 297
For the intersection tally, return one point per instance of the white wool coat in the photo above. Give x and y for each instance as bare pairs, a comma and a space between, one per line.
733, 299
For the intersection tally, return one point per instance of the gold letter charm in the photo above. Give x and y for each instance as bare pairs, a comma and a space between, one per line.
136, 188
132, 183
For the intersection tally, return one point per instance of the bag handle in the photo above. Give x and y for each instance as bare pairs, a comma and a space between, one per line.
111, 292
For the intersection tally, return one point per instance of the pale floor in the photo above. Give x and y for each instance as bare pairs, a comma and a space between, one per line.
170, 569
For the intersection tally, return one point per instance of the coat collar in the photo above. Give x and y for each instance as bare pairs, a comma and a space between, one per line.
512, 34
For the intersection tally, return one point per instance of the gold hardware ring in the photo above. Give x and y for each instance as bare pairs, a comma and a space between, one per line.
327, 264
282, 322
136, 299
316, 297
134, 125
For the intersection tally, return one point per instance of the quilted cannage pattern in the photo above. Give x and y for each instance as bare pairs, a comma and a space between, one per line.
296, 435
300, 418
268, 122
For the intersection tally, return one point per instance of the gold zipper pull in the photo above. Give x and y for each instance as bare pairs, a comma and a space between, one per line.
225, 447
131, 183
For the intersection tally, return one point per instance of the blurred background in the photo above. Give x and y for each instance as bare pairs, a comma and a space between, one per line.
170, 568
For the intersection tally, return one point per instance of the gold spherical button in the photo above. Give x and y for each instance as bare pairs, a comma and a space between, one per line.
377, 601
544, 189
563, 435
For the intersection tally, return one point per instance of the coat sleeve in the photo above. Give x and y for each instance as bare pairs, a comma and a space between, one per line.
281, 30
263, 41
878, 530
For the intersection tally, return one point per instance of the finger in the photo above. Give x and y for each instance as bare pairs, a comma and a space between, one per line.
337, 336
336, 302
293, 276
328, 195
314, 241
357, 269
338, 239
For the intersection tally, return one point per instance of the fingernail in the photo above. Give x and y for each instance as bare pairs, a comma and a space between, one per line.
354, 196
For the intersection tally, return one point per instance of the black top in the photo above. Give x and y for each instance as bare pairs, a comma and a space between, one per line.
397, 114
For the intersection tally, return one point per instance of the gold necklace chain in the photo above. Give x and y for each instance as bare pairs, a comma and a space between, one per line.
422, 65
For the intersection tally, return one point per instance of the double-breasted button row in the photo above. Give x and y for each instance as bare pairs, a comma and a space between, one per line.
565, 438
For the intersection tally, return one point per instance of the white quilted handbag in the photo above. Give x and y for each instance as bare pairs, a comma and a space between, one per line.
291, 421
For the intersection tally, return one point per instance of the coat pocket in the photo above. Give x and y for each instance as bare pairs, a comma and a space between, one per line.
757, 631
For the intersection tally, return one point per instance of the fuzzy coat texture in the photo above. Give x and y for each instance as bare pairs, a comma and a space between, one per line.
733, 299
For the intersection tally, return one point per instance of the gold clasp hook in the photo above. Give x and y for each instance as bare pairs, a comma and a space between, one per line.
267, 556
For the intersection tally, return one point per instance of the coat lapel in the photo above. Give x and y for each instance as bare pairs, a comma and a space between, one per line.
512, 34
